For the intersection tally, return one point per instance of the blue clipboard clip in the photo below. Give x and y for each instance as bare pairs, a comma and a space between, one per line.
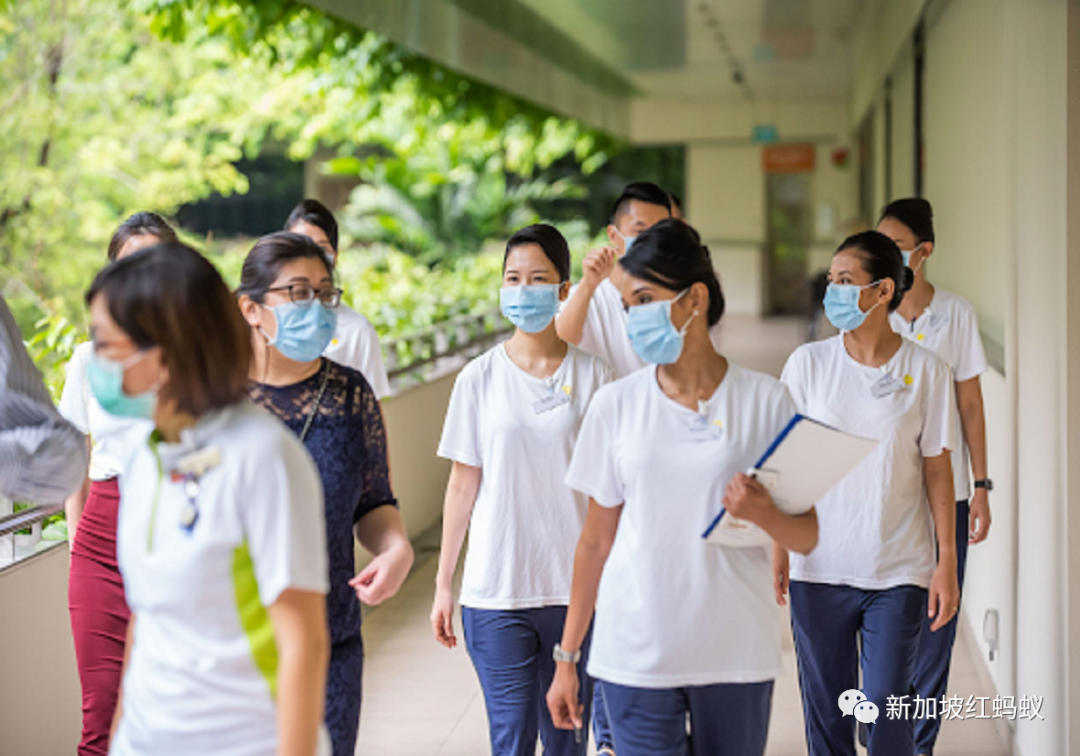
767, 477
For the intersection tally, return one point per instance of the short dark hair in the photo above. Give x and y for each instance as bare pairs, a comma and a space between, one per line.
642, 191
549, 239
140, 224
670, 255
915, 213
676, 201
317, 214
170, 296
270, 254
881, 259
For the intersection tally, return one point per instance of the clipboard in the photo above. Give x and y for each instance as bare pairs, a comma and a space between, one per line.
804, 463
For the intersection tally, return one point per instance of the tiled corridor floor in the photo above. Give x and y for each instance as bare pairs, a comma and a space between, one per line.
421, 699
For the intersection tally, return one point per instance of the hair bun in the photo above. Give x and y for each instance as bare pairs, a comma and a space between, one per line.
909, 279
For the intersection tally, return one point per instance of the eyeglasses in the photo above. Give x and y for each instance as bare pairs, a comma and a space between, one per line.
304, 294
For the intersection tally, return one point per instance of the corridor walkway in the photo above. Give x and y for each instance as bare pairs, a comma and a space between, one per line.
421, 699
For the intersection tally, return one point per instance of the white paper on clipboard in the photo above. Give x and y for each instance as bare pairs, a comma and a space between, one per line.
803, 464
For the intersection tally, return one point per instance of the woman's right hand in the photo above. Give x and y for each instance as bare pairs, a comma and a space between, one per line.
442, 618
780, 574
562, 698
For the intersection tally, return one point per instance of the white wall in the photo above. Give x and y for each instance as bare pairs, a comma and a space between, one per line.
40, 703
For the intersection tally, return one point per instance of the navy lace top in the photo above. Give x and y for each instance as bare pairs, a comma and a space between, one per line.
347, 440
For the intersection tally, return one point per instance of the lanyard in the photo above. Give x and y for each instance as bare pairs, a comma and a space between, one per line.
318, 401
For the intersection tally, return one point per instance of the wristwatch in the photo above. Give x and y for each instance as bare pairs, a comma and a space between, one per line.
987, 484
565, 656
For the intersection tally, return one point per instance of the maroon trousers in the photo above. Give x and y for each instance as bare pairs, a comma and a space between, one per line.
99, 614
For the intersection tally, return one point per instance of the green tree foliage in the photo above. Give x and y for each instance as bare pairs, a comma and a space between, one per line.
111, 107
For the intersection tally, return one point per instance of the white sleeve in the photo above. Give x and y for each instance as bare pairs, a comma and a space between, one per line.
592, 470
592, 332
372, 361
971, 359
939, 409
73, 399
460, 440
793, 378
284, 523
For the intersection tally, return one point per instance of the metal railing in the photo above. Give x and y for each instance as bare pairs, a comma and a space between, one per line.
415, 355
31, 518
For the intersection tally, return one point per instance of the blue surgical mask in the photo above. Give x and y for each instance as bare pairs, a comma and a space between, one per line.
628, 241
653, 335
530, 308
842, 305
303, 331
106, 379
907, 258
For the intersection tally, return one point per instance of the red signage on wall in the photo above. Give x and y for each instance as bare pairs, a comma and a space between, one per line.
788, 158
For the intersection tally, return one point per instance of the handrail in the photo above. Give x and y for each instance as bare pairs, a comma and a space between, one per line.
13, 523
447, 338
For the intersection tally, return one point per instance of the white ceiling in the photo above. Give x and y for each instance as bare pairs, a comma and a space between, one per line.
693, 48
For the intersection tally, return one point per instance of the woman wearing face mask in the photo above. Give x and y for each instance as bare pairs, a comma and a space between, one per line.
873, 579
945, 324
510, 430
99, 614
288, 297
684, 628
220, 537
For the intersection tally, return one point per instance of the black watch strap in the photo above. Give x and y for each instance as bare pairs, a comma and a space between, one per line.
987, 484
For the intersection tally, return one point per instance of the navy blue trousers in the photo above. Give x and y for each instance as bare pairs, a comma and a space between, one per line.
725, 719
343, 693
828, 621
601, 728
511, 651
935, 648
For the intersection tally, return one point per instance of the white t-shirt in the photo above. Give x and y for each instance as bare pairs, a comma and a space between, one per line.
525, 522
950, 329
202, 674
605, 332
80, 408
875, 527
356, 345
672, 609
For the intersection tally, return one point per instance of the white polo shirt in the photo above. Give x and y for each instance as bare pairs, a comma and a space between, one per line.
950, 329
520, 431
202, 675
605, 333
674, 610
875, 529
356, 345
81, 409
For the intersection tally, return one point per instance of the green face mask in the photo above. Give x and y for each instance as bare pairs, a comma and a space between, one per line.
106, 378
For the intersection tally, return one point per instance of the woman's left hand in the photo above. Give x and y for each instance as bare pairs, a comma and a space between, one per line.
747, 499
944, 595
383, 576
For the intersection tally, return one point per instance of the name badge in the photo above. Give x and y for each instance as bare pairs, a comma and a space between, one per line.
702, 429
551, 401
887, 385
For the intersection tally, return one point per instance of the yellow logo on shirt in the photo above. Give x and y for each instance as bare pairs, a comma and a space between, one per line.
719, 424
920, 337
567, 390
908, 380
334, 342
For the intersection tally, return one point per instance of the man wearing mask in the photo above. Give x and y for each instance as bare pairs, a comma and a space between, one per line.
594, 318
42, 457
355, 343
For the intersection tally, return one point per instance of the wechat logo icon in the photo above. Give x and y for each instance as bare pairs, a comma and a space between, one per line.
853, 702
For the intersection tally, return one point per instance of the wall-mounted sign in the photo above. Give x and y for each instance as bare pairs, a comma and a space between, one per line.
788, 158
766, 133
